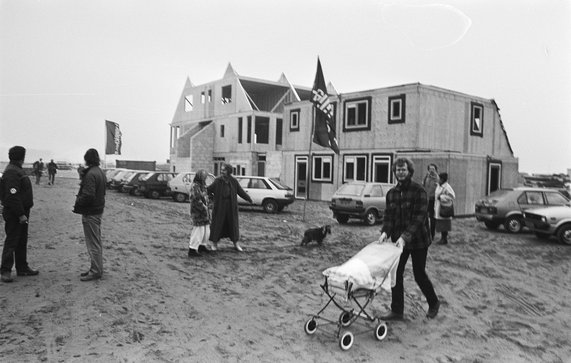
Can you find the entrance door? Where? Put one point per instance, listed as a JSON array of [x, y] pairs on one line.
[[494, 176], [301, 177]]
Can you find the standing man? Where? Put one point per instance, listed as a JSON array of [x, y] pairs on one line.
[[17, 198], [38, 170], [405, 222], [52, 170], [90, 202], [429, 183]]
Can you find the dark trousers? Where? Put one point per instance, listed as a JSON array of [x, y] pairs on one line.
[[431, 217], [52, 178], [420, 276], [15, 245]]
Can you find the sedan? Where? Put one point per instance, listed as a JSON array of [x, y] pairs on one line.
[[547, 222]]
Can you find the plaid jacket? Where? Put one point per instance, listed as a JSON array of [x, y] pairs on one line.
[[406, 215]]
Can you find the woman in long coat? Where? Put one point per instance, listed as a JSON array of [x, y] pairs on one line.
[[444, 192], [226, 189], [200, 215]]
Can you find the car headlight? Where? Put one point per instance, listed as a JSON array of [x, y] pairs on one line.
[[544, 219]]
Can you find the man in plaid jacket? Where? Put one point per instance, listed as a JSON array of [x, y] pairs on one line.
[[406, 223]]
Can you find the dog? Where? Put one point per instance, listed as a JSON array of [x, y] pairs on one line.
[[316, 234]]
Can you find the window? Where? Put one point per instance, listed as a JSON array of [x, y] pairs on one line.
[[221, 130], [262, 130], [279, 131], [381, 168], [227, 94], [554, 198], [249, 134], [239, 130], [355, 168], [202, 97], [209, 95], [397, 109], [535, 198], [477, 119], [322, 168], [294, 120], [357, 114], [188, 103]]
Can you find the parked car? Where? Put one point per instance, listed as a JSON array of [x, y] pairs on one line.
[[506, 206], [361, 200], [269, 193], [111, 173], [547, 222], [131, 184], [119, 178], [180, 185], [155, 184]]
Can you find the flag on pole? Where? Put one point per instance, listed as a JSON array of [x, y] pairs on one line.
[[324, 131], [113, 144]]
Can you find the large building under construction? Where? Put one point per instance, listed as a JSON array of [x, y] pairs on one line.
[[264, 128]]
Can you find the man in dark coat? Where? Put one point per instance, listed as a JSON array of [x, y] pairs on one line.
[[90, 202], [52, 170], [406, 222], [17, 198], [225, 189]]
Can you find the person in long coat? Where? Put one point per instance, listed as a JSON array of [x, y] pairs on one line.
[[225, 190], [444, 192]]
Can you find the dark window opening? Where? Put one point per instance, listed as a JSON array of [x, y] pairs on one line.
[[227, 94], [279, 131], [262, 130], [239, 130], [249, 126]]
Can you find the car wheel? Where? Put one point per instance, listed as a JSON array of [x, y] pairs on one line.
[[564, 234], [371, 217], [154, 194], [513, 224], [541, 235], [342, 219], [137, 192], [270, 206], [179, 197], [492, 225]]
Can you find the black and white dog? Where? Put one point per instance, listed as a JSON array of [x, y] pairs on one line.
[[315, 234]]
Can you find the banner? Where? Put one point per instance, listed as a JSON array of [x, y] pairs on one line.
[[113, 143], [324, 132]]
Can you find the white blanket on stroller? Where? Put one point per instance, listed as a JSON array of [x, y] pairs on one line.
[[375, 265]]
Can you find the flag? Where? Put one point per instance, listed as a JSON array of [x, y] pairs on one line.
[[324, 131], [113, 144]]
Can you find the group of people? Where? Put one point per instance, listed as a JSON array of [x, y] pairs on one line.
[[412, 217], [38, 170], [223, 223], [16, 196]]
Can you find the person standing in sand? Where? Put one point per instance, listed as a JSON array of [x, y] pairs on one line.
[[429, 183], [90, 203], [17, 198], [226, 189], [444, 193], [405, 222], [200, 215], [52, 170]]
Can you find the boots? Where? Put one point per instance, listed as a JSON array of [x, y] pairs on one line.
[[443, 239]]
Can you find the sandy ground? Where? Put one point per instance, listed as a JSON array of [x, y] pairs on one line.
[[504, 298]]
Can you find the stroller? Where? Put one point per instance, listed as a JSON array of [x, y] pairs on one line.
[[352, 286]]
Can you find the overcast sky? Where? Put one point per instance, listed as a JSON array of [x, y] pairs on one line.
[[68, 65]]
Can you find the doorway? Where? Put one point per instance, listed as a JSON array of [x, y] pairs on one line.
[[301, 177]]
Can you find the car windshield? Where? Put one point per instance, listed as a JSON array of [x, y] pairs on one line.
[[279, 185], [351, 189], [146, 177]]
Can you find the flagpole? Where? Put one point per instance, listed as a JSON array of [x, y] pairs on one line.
[[309, 161], [105, 145]]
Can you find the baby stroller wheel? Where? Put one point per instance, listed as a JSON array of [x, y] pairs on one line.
[[310, 326], [345, 318], [381, 331], [346, 340]]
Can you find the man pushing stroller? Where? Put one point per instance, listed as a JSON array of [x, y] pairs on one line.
[[405, 222]]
